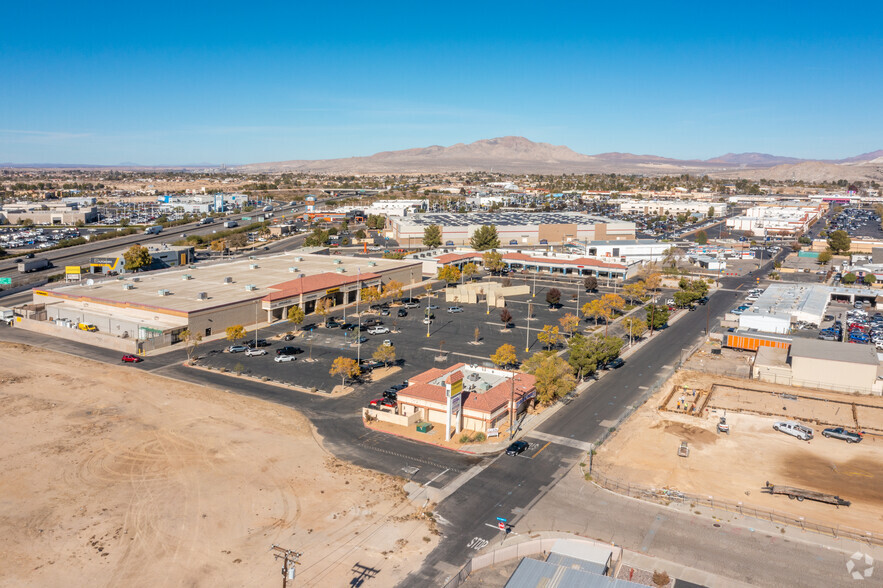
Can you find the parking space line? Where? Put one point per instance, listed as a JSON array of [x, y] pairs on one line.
[[481, 357]]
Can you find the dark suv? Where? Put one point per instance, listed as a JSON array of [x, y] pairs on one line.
[[287, 350]]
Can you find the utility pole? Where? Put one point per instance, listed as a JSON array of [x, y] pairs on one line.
[[289, 560]]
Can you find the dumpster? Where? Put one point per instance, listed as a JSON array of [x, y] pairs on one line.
[[424, 427]]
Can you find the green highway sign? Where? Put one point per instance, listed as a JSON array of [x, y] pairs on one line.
[[6, 281]]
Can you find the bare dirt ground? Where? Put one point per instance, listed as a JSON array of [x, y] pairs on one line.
[[735, 467], [112, 477]]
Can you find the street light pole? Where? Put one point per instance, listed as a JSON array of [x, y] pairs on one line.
[[359, 327], [527, 338]]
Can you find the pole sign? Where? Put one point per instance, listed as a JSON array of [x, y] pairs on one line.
[[502, 526], [502, 520]]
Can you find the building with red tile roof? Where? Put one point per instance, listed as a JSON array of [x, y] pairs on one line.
[[486, 395]]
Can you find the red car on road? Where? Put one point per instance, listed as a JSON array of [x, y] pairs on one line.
[[131, 359]]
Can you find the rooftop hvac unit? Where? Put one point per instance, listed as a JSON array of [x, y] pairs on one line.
[[337, 262], [302, 275], [187, 277], [252, 257], [136, 279], [228, 280], [341, 270], [291, 270], [251, 287], [253, 266], [372, 263], [164, 292], [298, 259], [202, 296], [128, 286]]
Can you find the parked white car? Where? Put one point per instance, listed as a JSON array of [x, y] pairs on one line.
[[281, 358], [378, 330], [794, 429], [252, 352]]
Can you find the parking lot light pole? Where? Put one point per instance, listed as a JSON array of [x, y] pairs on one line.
[[527, 338], [429, 313], [359, 327]]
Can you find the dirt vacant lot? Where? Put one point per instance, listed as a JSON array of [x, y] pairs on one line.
[[735, 467], [113, 477]]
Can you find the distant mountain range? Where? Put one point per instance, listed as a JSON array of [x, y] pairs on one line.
[[520, 155]]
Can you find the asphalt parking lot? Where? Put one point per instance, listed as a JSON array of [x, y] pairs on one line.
[[451, 335]]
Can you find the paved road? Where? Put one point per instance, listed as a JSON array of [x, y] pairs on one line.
[[734, 547], [508, 487], [505, 486]]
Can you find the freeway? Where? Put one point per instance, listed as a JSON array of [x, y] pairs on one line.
[[81, 254]]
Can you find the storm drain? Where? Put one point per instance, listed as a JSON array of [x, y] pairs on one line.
[[410, 470]]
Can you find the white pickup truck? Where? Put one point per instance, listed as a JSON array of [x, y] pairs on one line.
[[794, 429]]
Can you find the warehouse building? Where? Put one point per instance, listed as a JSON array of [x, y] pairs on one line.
[[782, 305], [153, 308], [48, 213], [513, 228], [810, 363], [768, 221]]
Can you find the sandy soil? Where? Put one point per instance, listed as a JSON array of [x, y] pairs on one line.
[[735, 467], [112, 477]]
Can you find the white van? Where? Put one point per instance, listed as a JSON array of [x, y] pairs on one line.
[[794, 429]]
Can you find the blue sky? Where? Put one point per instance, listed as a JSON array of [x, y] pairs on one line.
[[191, 82]]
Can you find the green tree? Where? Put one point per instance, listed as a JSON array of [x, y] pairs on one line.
[[869, 279], [825, 257], [849, 278], [360, 234], [136, 257], [657, 316], [702, 237], [711, 212], [634, 327], [839, 242], [317, 238], [296, 316], [484, 238], [432, 236]]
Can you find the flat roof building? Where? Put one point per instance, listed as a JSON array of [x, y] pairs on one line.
[[155, 307], [780, 305], [672, 207], [513, 228], [810, 363]]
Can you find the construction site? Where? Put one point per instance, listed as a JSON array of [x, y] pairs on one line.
[[712, 436]]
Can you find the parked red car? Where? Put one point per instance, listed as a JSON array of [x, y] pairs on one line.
[[379, 402], [131, 359]]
